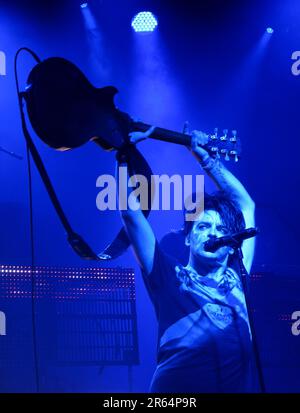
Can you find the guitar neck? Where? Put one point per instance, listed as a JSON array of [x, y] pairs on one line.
[[218, 146], [162, 134]]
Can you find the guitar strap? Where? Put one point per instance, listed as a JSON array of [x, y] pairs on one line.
[[136, 164]]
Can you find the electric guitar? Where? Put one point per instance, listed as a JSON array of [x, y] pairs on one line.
[[66, 111]]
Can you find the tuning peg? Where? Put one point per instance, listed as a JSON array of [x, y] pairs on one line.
[[227, 157], [235, 154], [215, 151], [233, 138], [224, 137], [215, 135]]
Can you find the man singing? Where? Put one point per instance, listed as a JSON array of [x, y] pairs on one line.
[[204, 339]]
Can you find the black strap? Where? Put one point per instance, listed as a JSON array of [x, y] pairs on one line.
[[136, 162]]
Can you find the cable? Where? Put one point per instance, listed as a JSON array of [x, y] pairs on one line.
[[33, 290]]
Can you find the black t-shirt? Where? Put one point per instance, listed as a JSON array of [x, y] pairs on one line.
[[204, 340]]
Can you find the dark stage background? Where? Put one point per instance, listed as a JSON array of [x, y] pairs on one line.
[[209, 62]]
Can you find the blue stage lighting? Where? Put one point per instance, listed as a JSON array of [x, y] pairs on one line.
[[269, 30], [83, 5], [144, 21]]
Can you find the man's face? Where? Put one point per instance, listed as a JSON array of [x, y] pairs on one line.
[[208, 226]]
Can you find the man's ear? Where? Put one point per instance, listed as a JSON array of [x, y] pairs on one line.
[[187, 240]]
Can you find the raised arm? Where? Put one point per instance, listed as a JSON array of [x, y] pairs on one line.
[[227, 182], [137, 226]]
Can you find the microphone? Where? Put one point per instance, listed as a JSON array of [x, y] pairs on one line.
[[234, 240]]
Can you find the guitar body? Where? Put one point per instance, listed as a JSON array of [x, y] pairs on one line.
[[66, 111]]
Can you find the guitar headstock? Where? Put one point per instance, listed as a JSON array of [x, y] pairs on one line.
[[225, 145]]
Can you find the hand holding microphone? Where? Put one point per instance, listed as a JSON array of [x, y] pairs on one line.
[[234, 241]]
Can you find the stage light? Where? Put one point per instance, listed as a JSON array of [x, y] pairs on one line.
[[144, 21], [269, 30], [83, 5]]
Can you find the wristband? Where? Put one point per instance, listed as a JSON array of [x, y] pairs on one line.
[[208, 163]]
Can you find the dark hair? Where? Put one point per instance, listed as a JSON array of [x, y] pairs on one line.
[[231, 216]]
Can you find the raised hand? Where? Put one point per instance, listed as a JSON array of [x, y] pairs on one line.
[[136, 137], [199, 139]]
